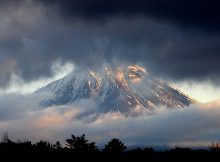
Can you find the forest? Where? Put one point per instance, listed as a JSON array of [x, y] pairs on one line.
[[78, 148]]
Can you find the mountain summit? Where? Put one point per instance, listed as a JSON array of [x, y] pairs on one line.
[[123, 89]]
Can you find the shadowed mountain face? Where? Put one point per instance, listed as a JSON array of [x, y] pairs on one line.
[[126, 89]]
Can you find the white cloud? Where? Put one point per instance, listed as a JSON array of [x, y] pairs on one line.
[[18, 85], [201, 91], [196, 125]]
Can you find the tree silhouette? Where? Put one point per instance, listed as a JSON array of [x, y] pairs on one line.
[[5, 137], [81, 144], [149, 150], [114, 146], [82, 149], [57, 145], [215, 147], [43, 146]]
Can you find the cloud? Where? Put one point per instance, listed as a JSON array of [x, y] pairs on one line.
[[196, 125], [204, 91], [182, 12], [175, 44], [18, 85], [177, 40]]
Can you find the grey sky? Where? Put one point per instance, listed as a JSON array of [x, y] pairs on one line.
[[176, 40]]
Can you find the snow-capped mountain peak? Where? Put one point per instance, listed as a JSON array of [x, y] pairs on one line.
[[124, 89]]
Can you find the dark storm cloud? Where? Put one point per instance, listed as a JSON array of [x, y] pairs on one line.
[[177, 39], [202, 13]]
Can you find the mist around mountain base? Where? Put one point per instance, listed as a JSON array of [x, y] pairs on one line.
[[195, 125], [23, 118]]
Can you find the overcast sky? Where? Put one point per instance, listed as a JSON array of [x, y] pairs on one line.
[[177, 40], [44, 40]]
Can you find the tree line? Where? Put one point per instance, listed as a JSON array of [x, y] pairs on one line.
[[80, 148]]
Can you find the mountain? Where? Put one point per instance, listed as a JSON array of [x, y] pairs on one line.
[[125, 89]]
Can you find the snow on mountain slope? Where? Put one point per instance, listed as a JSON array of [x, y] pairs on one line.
[[125, 89]]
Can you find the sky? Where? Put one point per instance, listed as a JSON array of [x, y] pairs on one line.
[[43, 40], [178, 41]]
